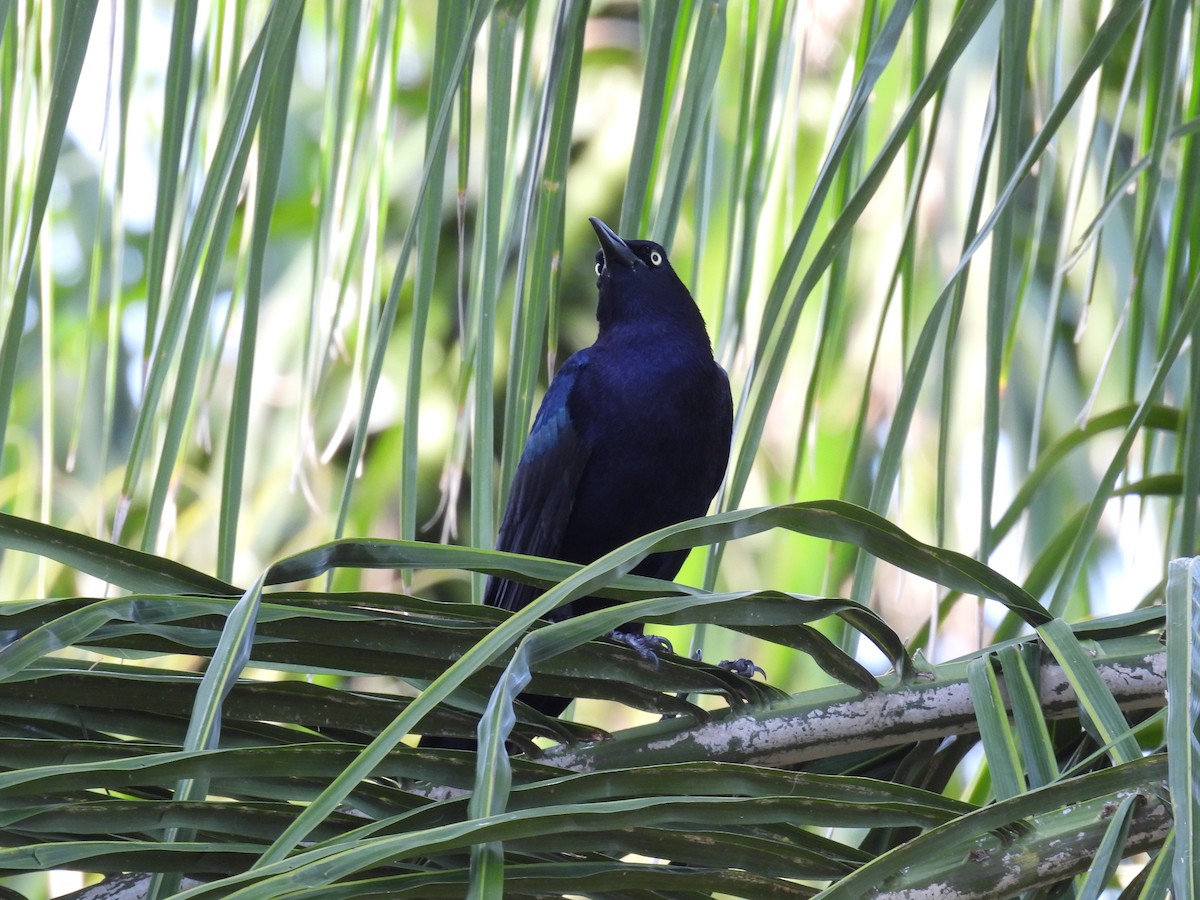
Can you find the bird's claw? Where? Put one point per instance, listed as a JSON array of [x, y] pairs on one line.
[[744, 667], [647, 646]]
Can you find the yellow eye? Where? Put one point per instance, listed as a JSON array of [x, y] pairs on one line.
[[597, 268], [656, 257]]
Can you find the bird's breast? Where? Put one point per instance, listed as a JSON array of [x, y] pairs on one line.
[[671, 393], [658, 432]]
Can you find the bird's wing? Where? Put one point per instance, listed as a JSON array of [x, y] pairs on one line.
[[543, 487]]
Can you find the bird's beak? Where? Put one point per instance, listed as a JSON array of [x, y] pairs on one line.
[[614, 247]]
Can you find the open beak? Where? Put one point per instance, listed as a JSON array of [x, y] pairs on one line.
[[614, 247]]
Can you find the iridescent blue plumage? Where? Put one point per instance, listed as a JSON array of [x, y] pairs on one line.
[[633, 433]]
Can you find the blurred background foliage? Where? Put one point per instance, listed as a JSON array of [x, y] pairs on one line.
[[274, 275], [1087, 291]]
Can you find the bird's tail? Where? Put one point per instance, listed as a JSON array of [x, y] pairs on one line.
[[550, 706]]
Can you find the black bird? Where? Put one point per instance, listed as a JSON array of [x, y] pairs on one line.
[[632, 435]]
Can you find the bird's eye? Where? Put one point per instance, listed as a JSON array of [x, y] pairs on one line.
[[597, 268], [656, 257]]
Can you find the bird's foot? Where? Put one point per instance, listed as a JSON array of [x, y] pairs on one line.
[[744, 667], [647, 646]]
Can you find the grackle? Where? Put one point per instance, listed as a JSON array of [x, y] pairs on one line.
[[632, 435]]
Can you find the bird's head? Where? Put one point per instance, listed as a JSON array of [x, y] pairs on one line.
[[636, 281]]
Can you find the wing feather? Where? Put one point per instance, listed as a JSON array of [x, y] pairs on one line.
[[543, 487]]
